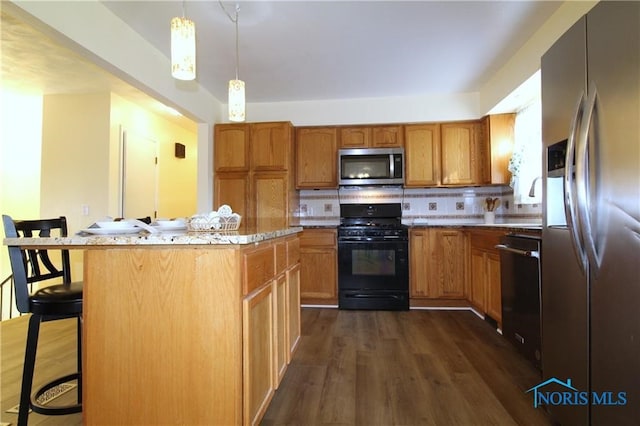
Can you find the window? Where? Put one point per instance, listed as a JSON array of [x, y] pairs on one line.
[[526, 163]]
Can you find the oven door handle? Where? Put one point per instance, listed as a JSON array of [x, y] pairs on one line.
[[526, 253], [372, 296], [391, 239]]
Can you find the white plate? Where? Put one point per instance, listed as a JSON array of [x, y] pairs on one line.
[[104, 231], [180, 227]]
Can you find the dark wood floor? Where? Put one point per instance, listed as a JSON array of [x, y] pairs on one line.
[[352, 367], [403, 368]]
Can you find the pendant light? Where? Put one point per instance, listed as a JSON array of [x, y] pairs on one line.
[[183, 47], [236, 87]]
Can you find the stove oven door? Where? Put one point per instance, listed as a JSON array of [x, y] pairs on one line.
[[373, 275]]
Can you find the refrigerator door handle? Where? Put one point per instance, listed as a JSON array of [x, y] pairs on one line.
[[583, 177], [570, 202]]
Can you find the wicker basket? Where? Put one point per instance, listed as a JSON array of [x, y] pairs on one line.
[[218, 223]]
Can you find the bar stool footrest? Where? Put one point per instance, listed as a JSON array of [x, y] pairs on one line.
[[56, 410]]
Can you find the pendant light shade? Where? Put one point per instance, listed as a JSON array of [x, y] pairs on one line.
[[236, 100], [236, 87], [183, 48]]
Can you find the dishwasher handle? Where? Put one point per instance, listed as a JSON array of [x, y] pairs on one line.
[[526, 253]]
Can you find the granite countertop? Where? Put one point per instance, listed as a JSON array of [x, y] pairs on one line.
[[528, 226], [525, 226], [143, 238]]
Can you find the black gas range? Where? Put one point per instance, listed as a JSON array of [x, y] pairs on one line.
[[373, 257]]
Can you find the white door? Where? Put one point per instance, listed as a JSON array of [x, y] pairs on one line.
[[139, 180]]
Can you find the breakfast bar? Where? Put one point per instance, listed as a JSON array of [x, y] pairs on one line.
[[185, 327]]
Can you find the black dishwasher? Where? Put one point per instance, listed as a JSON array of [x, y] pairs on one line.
[[520, 277]]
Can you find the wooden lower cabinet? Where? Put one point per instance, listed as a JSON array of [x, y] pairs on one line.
[[418, 263], [319, 266], [494, 287], [438, 263], [271, 321], [201, 334], [448, 253], [478, 282], [485, 284], [293, 287], [257, 351], [281, 328]]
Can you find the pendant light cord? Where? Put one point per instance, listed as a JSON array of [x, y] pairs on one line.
[[235, 21], [237, 49]]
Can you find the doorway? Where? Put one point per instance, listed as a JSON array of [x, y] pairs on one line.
[[139, 178]]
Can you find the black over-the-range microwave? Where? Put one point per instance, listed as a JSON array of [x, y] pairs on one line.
[[371, 166]]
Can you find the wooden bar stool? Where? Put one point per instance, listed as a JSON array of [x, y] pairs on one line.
[[53, 302]]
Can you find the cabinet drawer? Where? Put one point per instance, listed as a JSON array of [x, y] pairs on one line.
[[293, 252], [281, 257], [318, 237], [258, 268], [486, 240]]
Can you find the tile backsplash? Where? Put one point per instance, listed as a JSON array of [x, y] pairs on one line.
[[428, 205]]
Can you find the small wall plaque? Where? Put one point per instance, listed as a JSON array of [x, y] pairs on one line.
[[180, 150]]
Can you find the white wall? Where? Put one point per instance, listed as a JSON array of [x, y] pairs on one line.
[[114, 46], [437, 107], [20, 136], [527, 60], [117, 48]]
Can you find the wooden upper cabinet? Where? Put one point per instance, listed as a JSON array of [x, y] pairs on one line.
[[233, 189], [231, 147], [422, 155], [355, 137], [499, 139], [371, 137], [461, 153], [271, 146], [316, 157], [387, 137], [271, 201]]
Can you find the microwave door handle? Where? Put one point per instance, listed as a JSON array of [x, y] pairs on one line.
[[392, 166]]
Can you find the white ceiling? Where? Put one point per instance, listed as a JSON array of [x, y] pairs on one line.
[[311, 50], [307, 50]]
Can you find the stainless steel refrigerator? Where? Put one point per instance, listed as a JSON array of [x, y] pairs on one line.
[[591, 216]]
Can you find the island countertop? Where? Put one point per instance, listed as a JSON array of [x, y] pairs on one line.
[[200, 326], [174, 238]]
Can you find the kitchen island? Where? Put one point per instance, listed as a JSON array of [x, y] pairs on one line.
[[185, 328]]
